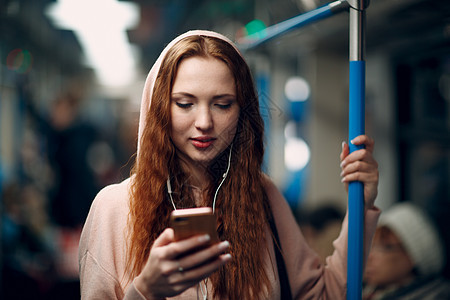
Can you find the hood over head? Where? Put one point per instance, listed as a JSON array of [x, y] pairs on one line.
[[151, 77]]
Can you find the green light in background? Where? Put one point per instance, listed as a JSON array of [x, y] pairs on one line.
[[256, 29], [19, 60]]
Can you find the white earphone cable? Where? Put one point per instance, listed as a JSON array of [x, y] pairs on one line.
[[224, 176], [169, 191], [203, 288]]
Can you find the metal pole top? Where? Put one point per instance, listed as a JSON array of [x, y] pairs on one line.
[[359, 4]]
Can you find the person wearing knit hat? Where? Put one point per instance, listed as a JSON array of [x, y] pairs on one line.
[[406, 258]]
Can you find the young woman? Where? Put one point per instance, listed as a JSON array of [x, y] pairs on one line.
[[201, 144]]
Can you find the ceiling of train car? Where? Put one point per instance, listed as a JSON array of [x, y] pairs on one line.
[[390, 24]]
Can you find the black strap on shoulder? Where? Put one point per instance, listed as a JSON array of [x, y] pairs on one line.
[[282, 272]]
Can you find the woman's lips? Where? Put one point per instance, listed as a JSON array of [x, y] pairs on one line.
[[202, 142]]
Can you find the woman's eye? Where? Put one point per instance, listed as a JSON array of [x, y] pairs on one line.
[[183, 105], [224, 106]]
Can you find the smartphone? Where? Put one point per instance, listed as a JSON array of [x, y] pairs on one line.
[[194, 221]]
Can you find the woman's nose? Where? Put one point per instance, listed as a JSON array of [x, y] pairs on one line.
[[203, 119], [373, 255]]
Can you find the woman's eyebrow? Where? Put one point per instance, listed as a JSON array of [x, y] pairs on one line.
[[220, 96], [215, 97], [184, 94]]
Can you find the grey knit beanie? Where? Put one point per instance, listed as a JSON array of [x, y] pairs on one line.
[[418, 235]]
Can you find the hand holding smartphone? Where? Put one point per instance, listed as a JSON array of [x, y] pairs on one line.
[[194, 221]]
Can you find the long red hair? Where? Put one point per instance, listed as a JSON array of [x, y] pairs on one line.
[[241, 208]]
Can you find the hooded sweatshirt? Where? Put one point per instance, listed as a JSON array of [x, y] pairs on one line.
[[102, 250]]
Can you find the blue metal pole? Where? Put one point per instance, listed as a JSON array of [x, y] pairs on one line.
[[281, 28], [355, 189], [356, 127]]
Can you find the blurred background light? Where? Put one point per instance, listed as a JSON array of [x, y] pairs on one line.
[[307, 5], [100, 27], [297, 89], [255, 29], [296, 154], [290, 130], [19, 60]]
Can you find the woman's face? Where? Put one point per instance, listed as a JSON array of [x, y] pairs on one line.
[[204, 109], [388, 262]]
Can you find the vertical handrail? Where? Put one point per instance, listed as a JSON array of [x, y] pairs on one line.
[[357, 70]]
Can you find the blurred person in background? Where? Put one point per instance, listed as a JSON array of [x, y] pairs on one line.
[[201, 140], [69, 140], [321, 226], [27, 245], [66, 140], [406, 258]]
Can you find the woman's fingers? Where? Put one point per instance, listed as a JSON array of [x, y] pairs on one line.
[[365, 177], [357, 168], [361, 166], [202, 256], [165, 238], [183, 280], [193, 275], [358, 155], [182, 247], [197, 266], [345, 151], [190, 253], [174, 266], [357, 160], [365, 140]]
